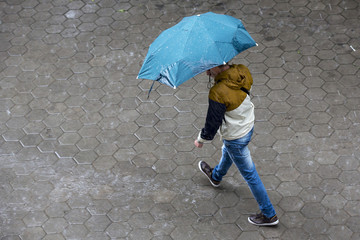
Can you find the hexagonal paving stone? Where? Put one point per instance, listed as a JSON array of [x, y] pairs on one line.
[[77, 216], [145, 146], [148, 108], [144, 160], [336, 216], [164, 166], [104, 162], [147, 120], [323, 130], [55, 225], [309, 180], [227, 215], [316, 226], [226, 199], [334, 201], [141, 220], [279, 107], [350, 193], [106, 149], [85, 157], [184, 172], [278, 95], [145, 133], [164, 152], [165, 138], [162, 211], [228, 231], [313, 210], [34, 219], [33, 233], [185, 94], [75, 231], [87, 143], [99, 223], [69, 138], [57, 209], [295, 234], [31, 140], [288, 189], [118, 230], [290, 204], [167, 101], [287, 174], [347, 163]]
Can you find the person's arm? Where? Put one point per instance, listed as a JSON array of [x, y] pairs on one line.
[[214, 118]]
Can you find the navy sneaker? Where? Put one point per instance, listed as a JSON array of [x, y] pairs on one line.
[[261, 220], [207, 170]]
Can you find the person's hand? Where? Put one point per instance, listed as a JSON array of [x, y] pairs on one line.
[[198, 144]]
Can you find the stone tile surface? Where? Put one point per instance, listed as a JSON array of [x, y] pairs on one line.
[[86, 154]]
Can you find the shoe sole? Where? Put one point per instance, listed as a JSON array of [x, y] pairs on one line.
[[214, 185], [264, 224]]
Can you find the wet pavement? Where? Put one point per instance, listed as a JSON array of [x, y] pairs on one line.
[[84, 154]]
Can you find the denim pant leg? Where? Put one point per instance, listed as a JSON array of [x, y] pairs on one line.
[[237, 151], [222, 168]]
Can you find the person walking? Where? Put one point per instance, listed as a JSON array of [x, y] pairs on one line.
[[231, 113]]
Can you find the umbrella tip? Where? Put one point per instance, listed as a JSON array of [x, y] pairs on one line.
[[198, 15], [257, 44]]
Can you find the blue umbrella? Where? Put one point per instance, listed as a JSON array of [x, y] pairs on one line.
[[194, 45]]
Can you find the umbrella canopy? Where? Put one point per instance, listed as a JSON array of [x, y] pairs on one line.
[[194, 45]]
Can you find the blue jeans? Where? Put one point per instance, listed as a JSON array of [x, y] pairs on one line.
[[237, 151]]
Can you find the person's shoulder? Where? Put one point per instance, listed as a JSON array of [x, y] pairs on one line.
[[219, 86], [217, 92]]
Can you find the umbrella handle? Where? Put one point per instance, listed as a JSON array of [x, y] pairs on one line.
[[209, 83]]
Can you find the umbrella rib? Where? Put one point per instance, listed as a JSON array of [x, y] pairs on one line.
[[187, 40], [211, 37]]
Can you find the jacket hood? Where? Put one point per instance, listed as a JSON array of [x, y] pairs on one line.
[[236, 77]]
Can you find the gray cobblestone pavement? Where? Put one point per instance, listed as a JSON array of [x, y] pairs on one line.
[[84, 154]]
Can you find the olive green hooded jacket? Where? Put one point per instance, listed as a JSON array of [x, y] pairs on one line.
[[230, 108]]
